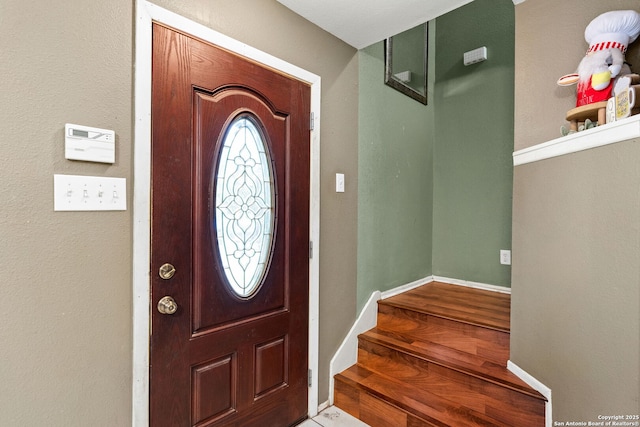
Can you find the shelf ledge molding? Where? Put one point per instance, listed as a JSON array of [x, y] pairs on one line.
[[621, 130]]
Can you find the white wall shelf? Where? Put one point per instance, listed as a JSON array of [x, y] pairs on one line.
[[621, 130]]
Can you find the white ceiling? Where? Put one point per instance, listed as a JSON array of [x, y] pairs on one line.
[[361, 23]]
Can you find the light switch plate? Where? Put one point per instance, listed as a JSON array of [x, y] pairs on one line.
[[339, 183], [89, 193]]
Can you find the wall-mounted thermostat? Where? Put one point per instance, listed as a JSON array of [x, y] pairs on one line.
[[89, 144]]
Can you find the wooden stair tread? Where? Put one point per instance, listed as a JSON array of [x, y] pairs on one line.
[[454, 359], [473, 306], [427, 406]]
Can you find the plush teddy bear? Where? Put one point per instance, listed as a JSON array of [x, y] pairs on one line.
[[608, 36]]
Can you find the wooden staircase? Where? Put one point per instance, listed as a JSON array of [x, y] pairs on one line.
[[438, 358]]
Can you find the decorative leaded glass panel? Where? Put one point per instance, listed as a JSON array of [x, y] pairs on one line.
[[244, 206]]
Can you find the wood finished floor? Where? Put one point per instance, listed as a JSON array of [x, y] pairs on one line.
[[463, 304], [437, 357]]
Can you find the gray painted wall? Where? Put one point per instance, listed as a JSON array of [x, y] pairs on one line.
[[576, 231], [576, 242], [67, 288], [66, 318]]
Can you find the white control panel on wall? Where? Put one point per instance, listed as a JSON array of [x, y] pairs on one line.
[[89, 193], [89, 144], [474, 56]]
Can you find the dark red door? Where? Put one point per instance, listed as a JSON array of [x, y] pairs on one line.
[[230, 238]]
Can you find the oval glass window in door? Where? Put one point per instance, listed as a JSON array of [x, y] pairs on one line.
[[244, 205]]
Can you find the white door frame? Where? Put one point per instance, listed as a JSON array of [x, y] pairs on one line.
[[146, 13]]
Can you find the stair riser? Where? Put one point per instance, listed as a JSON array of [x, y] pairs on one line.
[[500, 402], [374, 411], [347, 398], [388, 411], [487, 343]]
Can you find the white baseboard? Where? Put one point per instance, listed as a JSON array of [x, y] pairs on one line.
[[404, 288], [536, 385], [469, 284], [347, 353]]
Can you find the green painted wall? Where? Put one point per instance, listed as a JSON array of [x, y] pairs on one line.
[[473, 169], [395, 177], [435, 181]]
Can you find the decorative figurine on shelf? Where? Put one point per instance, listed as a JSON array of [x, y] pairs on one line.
[[608, 36]]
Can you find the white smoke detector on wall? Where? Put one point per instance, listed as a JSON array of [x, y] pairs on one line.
[[474, 56]]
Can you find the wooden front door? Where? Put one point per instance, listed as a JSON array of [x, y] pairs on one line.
[[229, 239]]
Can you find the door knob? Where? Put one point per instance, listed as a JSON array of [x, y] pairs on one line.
[[167, 305]]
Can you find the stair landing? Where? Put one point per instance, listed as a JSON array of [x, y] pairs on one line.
[[438, 358], [459, 303]]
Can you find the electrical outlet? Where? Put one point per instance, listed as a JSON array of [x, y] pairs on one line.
[[505, 257]]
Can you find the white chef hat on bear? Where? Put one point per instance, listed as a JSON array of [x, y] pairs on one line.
[[613, 30]]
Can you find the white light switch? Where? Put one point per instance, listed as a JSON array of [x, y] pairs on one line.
[[339, 183], [89, 193]]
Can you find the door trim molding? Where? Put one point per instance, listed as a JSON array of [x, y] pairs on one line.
[[146, 13]]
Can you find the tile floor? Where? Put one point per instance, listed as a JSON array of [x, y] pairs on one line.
[[333, 417]]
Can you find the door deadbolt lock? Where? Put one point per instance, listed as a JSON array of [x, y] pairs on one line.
[[167, 271], [167, 305]]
